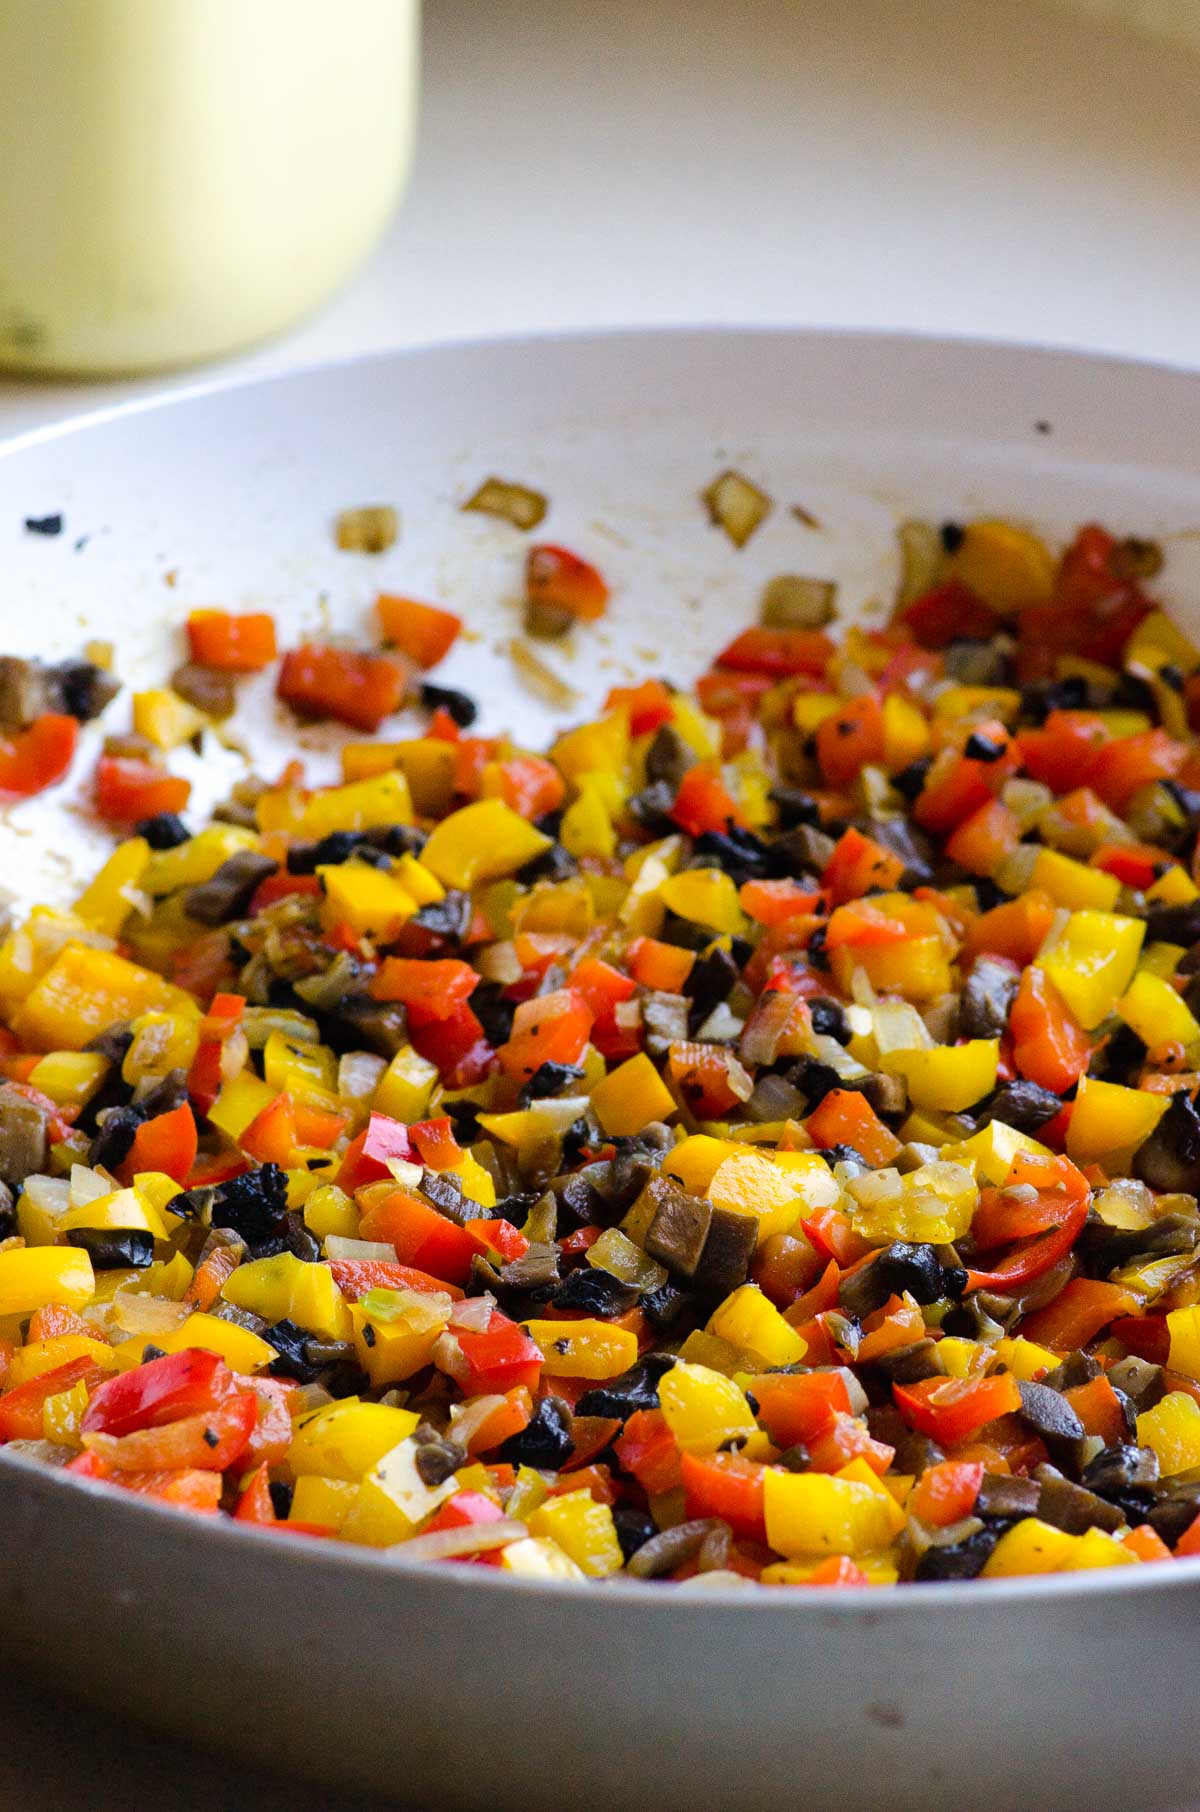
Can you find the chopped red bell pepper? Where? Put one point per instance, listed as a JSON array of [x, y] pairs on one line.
[[21, 1408], [436, 1146], [128, 790], [728, 1486], [366, 1159], [949, 1410], [556, 577], [239, 644], [430, 990], [33, 759], [423, 632], [355, 689], [529, 785], [500, 1358], [160, 1391], [421, 1236], [209, 1441], [704, 802], [355, 1276], [165, 1142], [945, 1493], [552, 1028], [796, 1407], [948, 613], [850, 739], [1050, 1046], [778, 652], [649, 705]]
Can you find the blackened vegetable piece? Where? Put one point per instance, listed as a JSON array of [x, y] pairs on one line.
[[1072, 1507], [963, 1559], [909, 1364], [1174, 924], [114, 1249], [281, 1498], [1169, 1160], [493, 1011], [1175, 1510], [82, 689], [290, 1342], [437, 1460], [795, 807], [634, 1529], [803, 851], [728, 1251], [545, 1442], [447, 918], [548, 1079], [828, 1019], [456, 705], [1048, 1413], [668, 758], [910, 781], [23, 1136], [913, 848], [667, 1307], [1022, 1105], [671, 1548], [679, 1227], [166, 830], [1001, 1494], [742, 855], [299, 1241], [1117, 1470], [987, 997], [711, 981], [253, 1205], [229, 892], [597, 1292], [635, 1389], [896, 1269]]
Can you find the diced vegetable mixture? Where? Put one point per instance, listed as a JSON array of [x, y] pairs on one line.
[[753, 1140]]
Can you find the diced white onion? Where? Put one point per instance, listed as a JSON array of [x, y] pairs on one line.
[[338, 1247], [447, 1544]]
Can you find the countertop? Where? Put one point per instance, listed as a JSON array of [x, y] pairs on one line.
[[968, 167]]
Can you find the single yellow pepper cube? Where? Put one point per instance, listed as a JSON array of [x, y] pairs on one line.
[[537, 1557], [394, 1500], [41, 1356], [285, 1288], [1156, 1012], [344, 1440], [602, 746], [241, 1350], [583, 1529], [107, 902], [642, 911], [420, 881], [1094, 1548], [947, 1078], [1025, 1359], [961, 1358], [164, 718], [304, 1069], [162, 1042], [810, 709], [749, 1319], [426, 762], [631, 1096], [63, 1413], [358, 806], [1183, 1326], [703, 1409], [1108, 1119], [1006, 566], [583, 1349], [1161, 959], [1174, 888], [393, 1348], [67, 1076], [1092, 962], [240, 1101], [989, 1153], [812, 1513], [371, 901], [476, 1183], [587, 828], [481, 842], [404, 1088], [1172, 1429], [35, 1277], [84, 991], [696, 1160], [121, 1209], [905, 733], [326, 1502], [705, 896], [1073, 884], [917, 969], [330, 1210], [1030, 1546], [1158, 642]]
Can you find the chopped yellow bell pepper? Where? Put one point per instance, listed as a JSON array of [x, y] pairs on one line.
[[404, 1089], [108, 901], [34, 1277], [164, 718], [933, 1204], [240, 1101], [285, 1288], [63, 1413], [426, 762], [40, 1356], [1073, 884], [818, 1513], [1096, 1548], [372, 902], [917, 969], [696, 1160], [705, 896], [1156, 1012], [1030, 1546], [960, 1358], [946, 1077], [1092, 962], [392, 1346], [603, 746], [587, 827], [703, 1409], [631, 1096], [750, 1320], [810, 709], [120, 1209], [69, 1075], [1025, 1359], [299, 1066], [162, 1042], [241, 1350], [344, 1440], [879, 1572], [990, 1152], [1006, 566], [326, 1502], [480, 843], [583, 1529], [958, 703], [537, 1557], [584, 1348], [1172, 1429], [1158, 642], [1183, 1326], [1175, 888], [1108, 1120], [905, 732], [359, 805], [84, 991], [1161, 959], [330, 1210]]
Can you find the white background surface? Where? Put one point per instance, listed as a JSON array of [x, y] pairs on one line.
[[977, 167]]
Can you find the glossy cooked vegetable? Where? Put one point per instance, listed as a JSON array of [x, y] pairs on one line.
[[754, 1139]]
